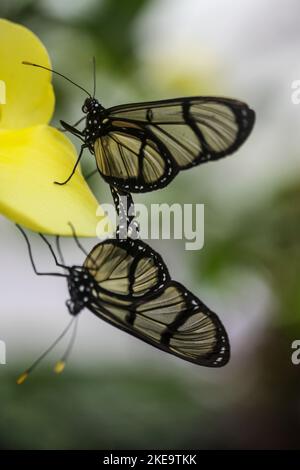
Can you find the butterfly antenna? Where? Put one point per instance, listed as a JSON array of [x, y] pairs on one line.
[[21, 379], [89, 175], [94, 75], [25, 62], [61, 364]]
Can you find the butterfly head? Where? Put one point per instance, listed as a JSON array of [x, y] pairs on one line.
[[91, 105], [81, 287]]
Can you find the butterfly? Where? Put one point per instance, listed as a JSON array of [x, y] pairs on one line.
[[141, 147], [127, 284]]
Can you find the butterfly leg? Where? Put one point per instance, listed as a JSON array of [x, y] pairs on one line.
[[72, 129], [92, 173], [80, 246], [61, 183], [77, 241], [58, 247], [31, 257], [64, 129], [52, 252]]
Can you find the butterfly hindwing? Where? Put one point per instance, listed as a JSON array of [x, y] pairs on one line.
[[126, 268], [133, 158]]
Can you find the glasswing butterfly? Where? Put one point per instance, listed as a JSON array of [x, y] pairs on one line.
[[141, 147], [127, 284]]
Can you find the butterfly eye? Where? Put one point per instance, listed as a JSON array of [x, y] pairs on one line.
[[84, 108]]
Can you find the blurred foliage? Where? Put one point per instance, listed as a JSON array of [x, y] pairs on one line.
[[106, 409], [107, 23], [264, 239]]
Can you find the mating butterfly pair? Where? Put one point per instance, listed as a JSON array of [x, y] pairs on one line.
[[138, 148]]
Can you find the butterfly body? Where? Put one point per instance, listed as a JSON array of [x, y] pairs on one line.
[[95, 121]]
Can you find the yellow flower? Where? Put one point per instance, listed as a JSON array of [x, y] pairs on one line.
[[32, 154]]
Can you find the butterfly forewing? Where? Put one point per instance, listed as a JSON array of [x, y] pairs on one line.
[[149, 143], [172, 319], [135, 294], [183, 326]]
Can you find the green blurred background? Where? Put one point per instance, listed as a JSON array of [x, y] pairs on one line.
[[118, 393]]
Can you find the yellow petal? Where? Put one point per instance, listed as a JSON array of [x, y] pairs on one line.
[[27, 91], [30, 161]]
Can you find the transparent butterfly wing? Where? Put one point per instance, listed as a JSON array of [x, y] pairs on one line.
[[148, 143], [171, 319], [126, 268], [134, 292], [133, 158]]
